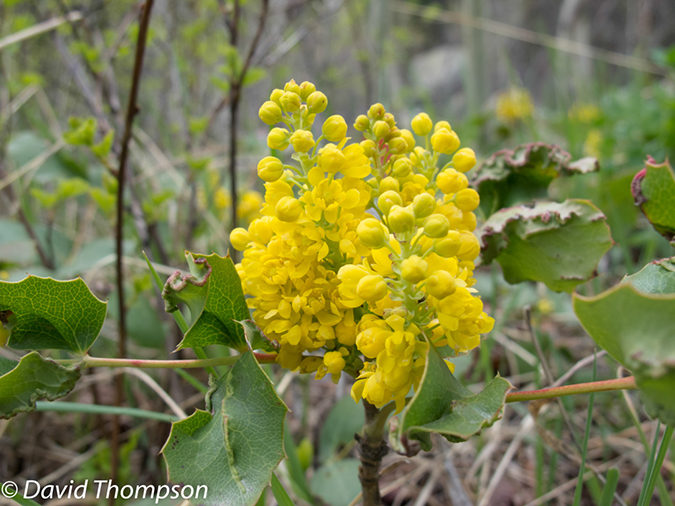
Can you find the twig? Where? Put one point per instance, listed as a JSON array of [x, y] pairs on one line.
[[43, 27], [132, 110], [627, 383]]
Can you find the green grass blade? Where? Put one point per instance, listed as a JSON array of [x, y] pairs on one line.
[[610, 487], [76, 407], [650, 479], [650, 465], [280, 493], [192, 380], [18, 498], [584, 447]]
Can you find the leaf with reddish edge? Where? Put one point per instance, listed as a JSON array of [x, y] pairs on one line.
[[653, 189]]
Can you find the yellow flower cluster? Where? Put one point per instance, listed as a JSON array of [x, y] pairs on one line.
[[364, 252], [581, 112], [514, 104]]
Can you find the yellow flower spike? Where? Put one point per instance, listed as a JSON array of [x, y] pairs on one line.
[[306, 89], [288, 209], [369, 148], [389, 184], [270, 113], [290, 101], [450, 181], [362, 123], [372, 288], [467, 199], [275, 96], [414, 269], [372, 233], [270, 169], [450, 245], [278, 138], [380, 129], [302, 141], [464, 160], [239, 238], [317, 102], [409, 139], [397, 146], [402, 167], [436, 226], [387, 200], [421, 124], [401, 219], [424, 205], [441, 284], [444, 141], [442, 125], [376, 111], [334, 128]]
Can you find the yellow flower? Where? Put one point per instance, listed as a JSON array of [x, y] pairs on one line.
[[270, 113], [593, 144], [421, 124], [445, 141], [464, 160], [334, 128], [302, 141], [248, 207], [514, 104], [581, 112], [221, 199], [270, 169]]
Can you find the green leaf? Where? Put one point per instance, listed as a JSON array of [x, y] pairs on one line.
[[31, 379], [337, 483], [296, 473], [521, 175], [235, 446], [279, 492], [345, 419], [653, 190], [256, 337], [43, 313], [213, 294], [559, 244], [443, 405], [636, 327]]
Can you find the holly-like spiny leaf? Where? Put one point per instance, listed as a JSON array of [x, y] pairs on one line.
[[213, 294], [31, 379], [234, 446], [43, 313], [443, 405], [559, 244], [653, 190], [523, 174], [635, 322]]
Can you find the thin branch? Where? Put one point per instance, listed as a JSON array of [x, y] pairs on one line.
[[627, 383], [40, 28]]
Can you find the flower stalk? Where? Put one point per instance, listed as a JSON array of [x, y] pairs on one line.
[[627, 383]]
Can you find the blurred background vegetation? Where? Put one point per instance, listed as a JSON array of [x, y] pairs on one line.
[[596, 77]]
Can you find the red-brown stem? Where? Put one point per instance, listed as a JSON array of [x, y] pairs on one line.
[[627, 383]]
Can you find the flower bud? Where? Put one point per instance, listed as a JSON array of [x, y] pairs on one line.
[[369, 148], [302, 141], [445, 141], [306, 89], [292, 86], [389, 183], [334, 362], [414, 269], [402, 167], [380, 129], [397, 145], [288, 209], [449, 246], [436, 226], [331, 158], [409, 139], [390, 120], [275, 96], [441, 284], [334, 128], [372, 288], [317, 102], [239, 238], [423, 205], [421, 124], [401, 219], [270, 113], [450, 181], [442, 125], [372, 233], [278, 138], [362, 123], [387, 200], [270, 169], [467, 199], [290, 101], [470, 247], [260, 230], [464, 160], [376, 111]]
